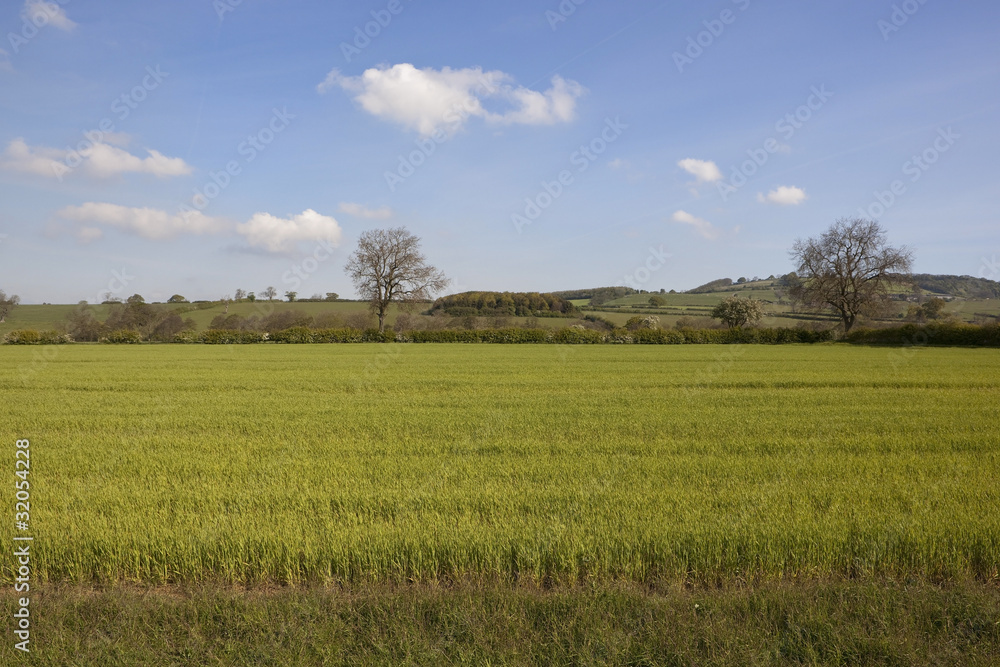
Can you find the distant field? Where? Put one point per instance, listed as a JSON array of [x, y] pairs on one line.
[[375, 463], [677, 306]]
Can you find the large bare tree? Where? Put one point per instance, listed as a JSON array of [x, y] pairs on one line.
[[7, 304], [849, 269], [388, 267]]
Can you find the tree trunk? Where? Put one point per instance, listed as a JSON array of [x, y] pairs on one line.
[[381, 321]]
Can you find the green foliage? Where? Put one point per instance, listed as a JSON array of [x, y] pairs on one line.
[[932, 309], [516, 304], [910, 335], [713, 286], [963, 286], [642, 322], [231, 337], [177, 298], [32, 337], [737, 311], [293, 335], [122, 337], [597, 295]]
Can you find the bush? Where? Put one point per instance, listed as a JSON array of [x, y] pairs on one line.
[[293, 335], [23, 337], [967, 335], [574, 335], [122, 337], [32, 337], [227, 337]]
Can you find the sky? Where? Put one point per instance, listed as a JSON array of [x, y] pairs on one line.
[[200, 147]]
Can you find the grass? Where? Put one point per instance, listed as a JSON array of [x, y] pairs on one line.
[[546, 464], [839, 622]]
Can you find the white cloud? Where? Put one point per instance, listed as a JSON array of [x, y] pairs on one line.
[[784, 195], [146, 222], [618, 163], [361, 211], [5, 65], [277, 235], [429, 100], [44, 12], [705, 171], [100, 160], [88, 234], [703, 227]]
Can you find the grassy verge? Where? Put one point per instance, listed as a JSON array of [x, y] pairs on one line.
[[835, 622]]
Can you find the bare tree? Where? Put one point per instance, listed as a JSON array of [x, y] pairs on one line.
[[7, 304], [388, 267], [849, 269], [270, 293]]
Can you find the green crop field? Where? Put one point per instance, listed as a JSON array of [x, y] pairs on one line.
[[467, 504], [366, 462]]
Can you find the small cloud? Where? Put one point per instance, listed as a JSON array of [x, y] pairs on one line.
[[783, 196], [361, 211], [89, 234], [281, 235], [429, 100], [5, 65], [783, 148], [619, 163], [148, 223], [703, 227], [101, 160], [705, 171], [331, 81], [44, 12]]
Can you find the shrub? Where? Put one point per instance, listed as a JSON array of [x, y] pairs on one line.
[[930, 334], [293, 335], [23, 337], [226, 337], [122, 337], [32, 337]]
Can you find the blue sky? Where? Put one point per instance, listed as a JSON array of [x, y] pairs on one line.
[[197, 147]]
